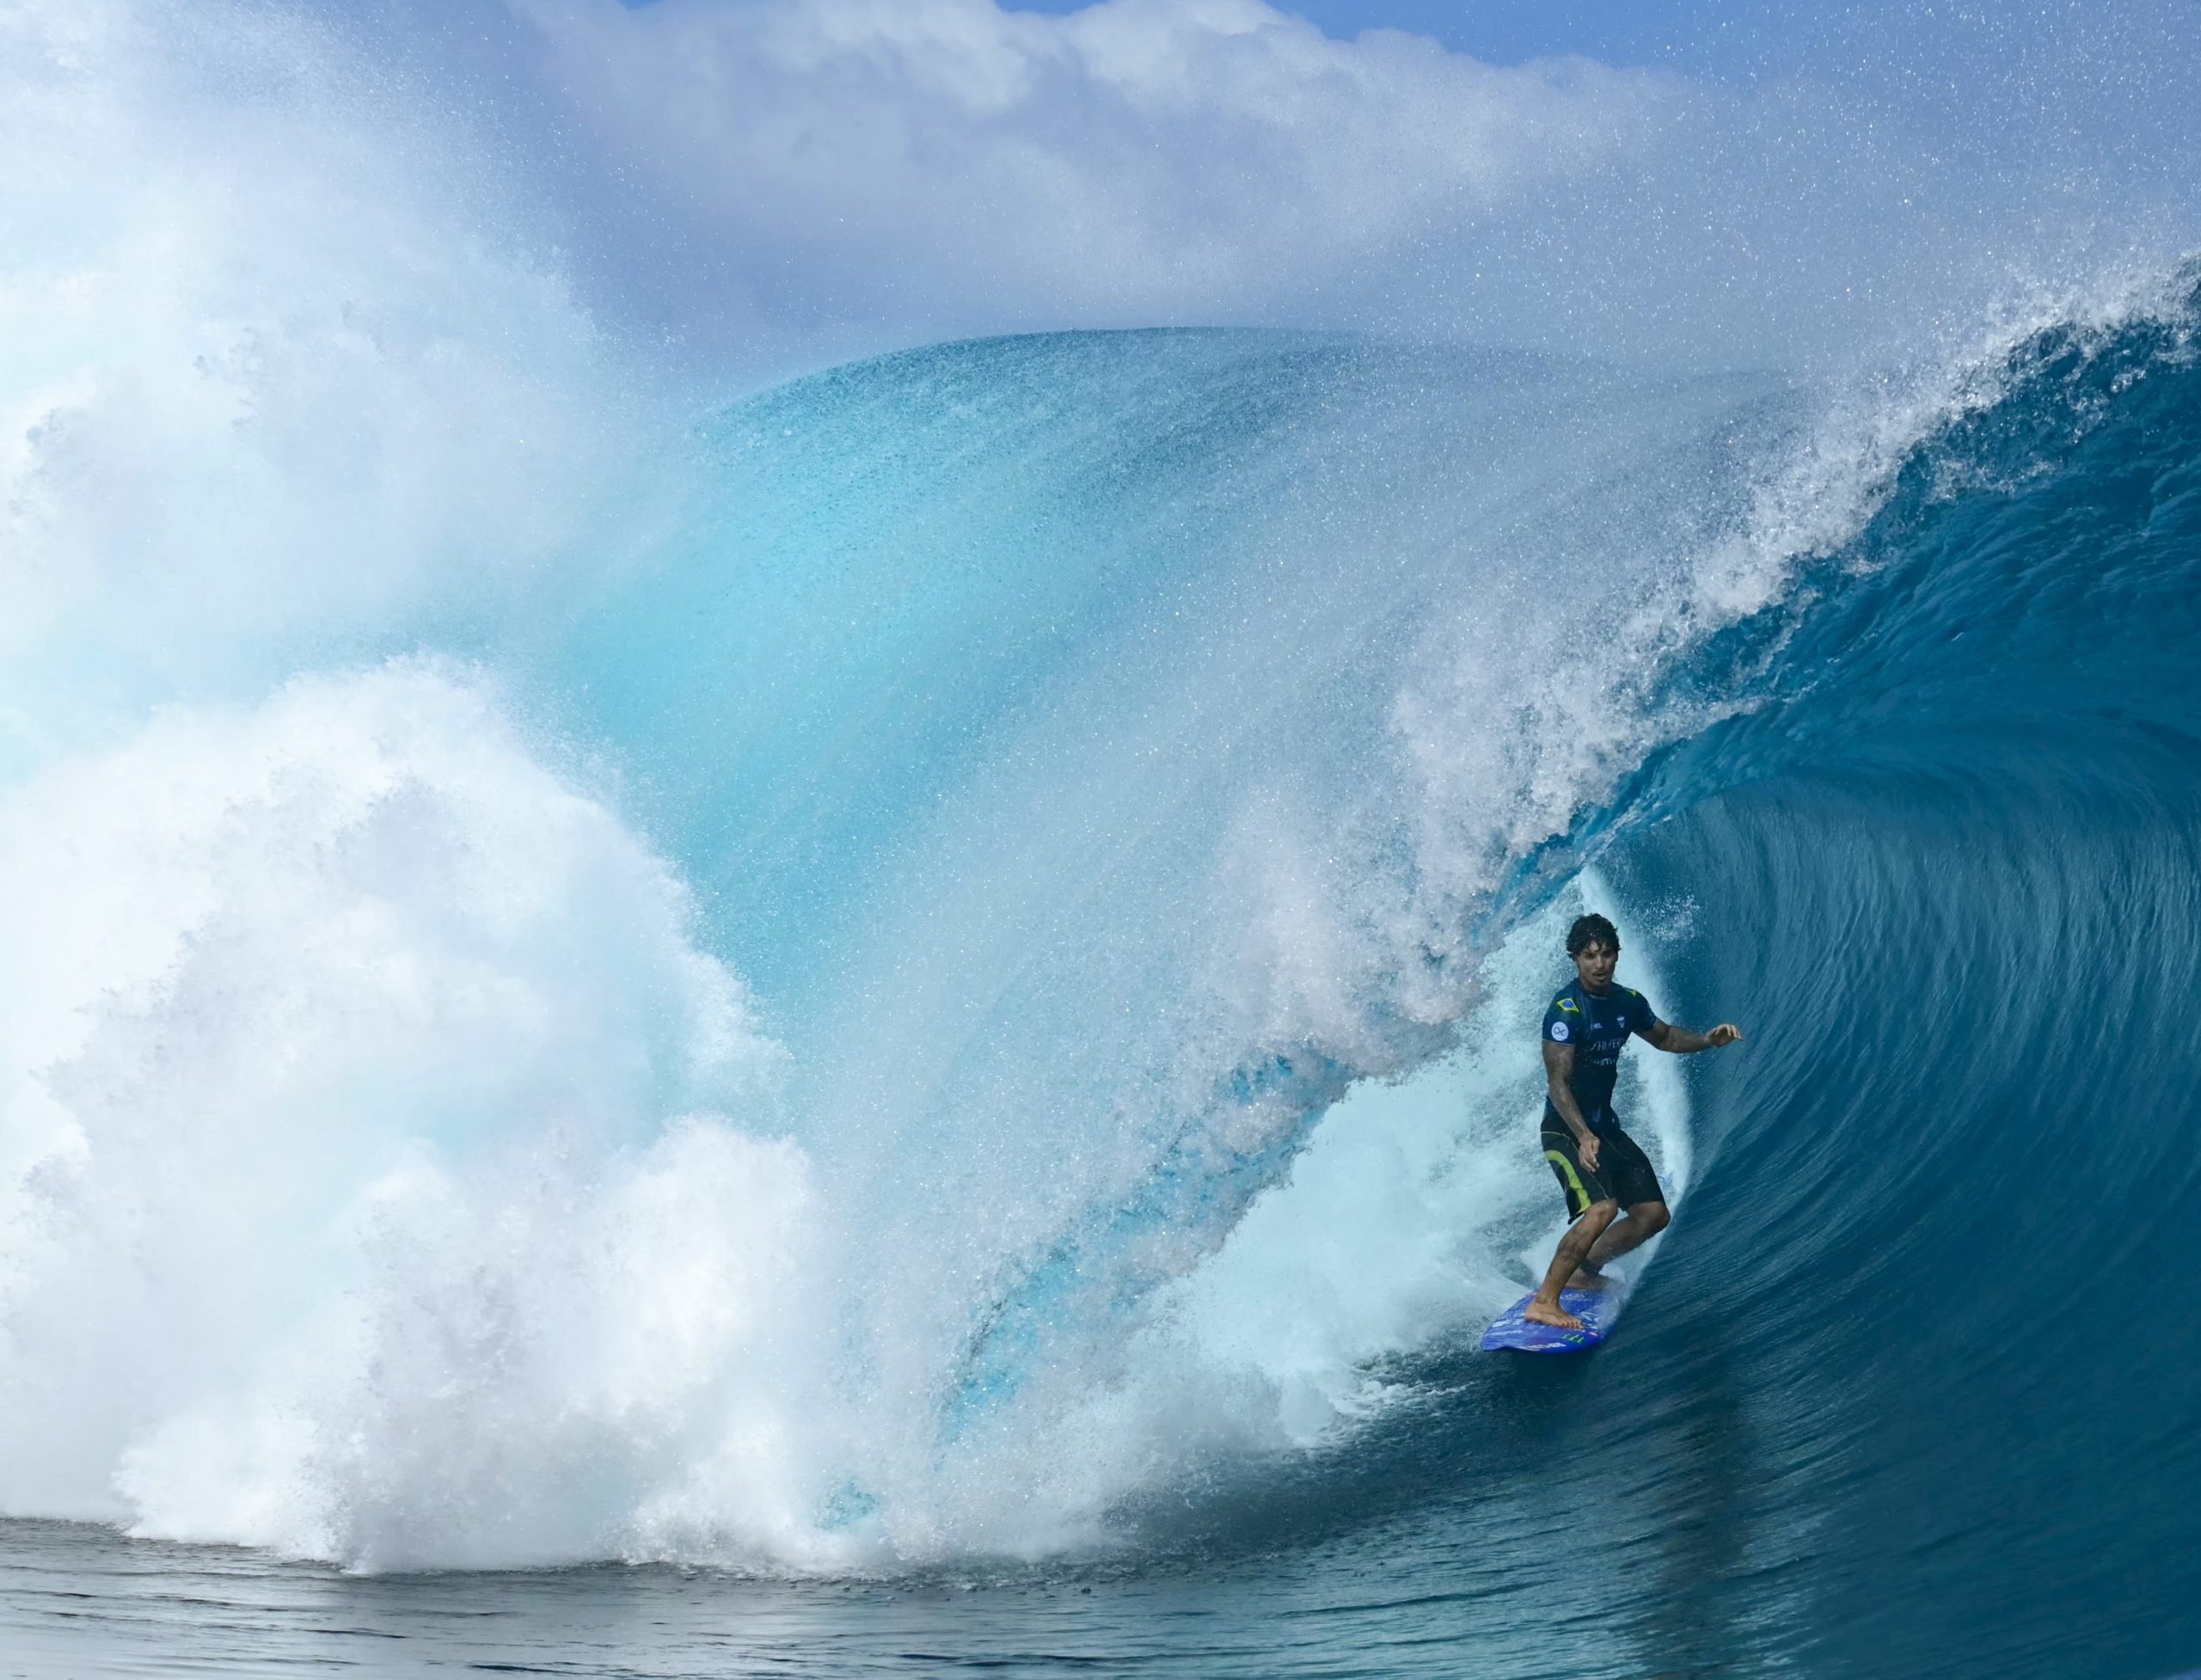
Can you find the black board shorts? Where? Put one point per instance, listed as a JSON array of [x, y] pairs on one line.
[[1623, 1172]]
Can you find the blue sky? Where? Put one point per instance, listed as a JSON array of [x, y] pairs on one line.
[[1627, 32]]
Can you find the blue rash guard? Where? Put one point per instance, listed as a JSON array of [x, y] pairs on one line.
[[1596, 1028]]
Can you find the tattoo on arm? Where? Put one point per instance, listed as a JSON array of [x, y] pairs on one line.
[[1559, 1071]]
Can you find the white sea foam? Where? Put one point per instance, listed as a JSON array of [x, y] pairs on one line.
[[279, 371], [364, 1101]]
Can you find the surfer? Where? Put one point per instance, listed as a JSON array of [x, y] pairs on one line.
[[1599, 1166]]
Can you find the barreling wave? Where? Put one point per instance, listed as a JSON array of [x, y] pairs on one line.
[[1948, 864], [1107, 796]]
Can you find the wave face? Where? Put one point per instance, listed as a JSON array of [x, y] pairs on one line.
[[962, 988]]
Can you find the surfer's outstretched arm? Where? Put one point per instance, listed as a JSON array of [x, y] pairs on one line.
[[1683, 1042]]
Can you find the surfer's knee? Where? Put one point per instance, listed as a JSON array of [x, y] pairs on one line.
[[1596, 1217], [1653, 1216]]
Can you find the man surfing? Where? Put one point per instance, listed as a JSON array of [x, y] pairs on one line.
[[1599, 1166]]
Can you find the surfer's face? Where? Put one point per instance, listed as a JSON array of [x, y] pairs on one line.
[[1594, 962]]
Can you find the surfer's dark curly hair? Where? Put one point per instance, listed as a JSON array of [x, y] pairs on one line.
[[1590, 929]]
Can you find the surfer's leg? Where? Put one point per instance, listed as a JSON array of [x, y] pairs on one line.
[[1645, 1221], [1591, 1207], [1543, 1308], [1631, 1182]]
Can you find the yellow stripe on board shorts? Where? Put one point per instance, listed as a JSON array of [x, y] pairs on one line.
[[1577, 1197]]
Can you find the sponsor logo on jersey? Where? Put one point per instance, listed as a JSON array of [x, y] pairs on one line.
[[1559, 1031]]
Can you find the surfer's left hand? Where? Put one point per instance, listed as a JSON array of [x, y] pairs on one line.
[[1725, 1032]]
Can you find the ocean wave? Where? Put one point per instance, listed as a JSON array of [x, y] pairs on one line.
[[827, 1060]]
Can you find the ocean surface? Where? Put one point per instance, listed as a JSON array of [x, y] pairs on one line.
[[887, 1025]]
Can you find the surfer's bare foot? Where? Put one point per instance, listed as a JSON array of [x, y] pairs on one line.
[[1591, 1280], [1556, 1315]]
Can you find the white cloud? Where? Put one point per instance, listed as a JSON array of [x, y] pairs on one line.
[[1134, 161], [792, 181]]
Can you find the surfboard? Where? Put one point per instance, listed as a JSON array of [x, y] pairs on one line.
[[1597, 1309]]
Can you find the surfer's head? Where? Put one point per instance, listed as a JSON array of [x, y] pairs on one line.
[[1594, 943]]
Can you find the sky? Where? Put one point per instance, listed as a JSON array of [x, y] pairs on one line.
[[1508, 32], [1701, 182], [760, 186]]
